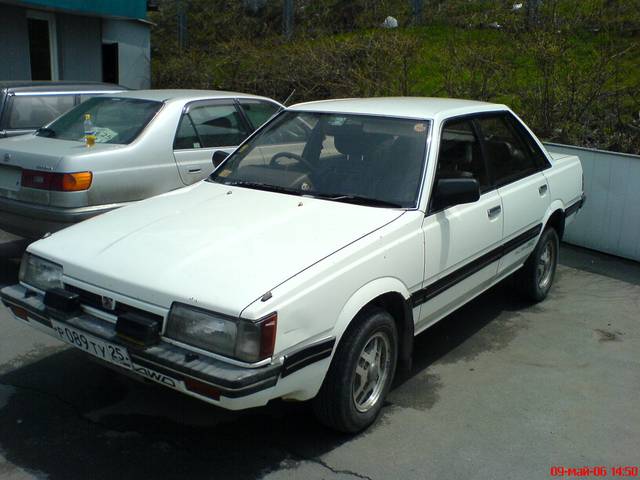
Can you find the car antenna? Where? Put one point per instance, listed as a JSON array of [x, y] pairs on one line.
[[289, 97]]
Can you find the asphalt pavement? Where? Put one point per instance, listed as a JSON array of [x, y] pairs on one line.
[[499, 390]]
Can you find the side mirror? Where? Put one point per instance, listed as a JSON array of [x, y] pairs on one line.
[[454, 191], [218, 157]]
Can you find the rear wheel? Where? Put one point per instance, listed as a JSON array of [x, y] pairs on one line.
[[361, 373], [536, 276]]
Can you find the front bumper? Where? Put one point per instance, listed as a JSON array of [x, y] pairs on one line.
[[33, 221], [169, 365]]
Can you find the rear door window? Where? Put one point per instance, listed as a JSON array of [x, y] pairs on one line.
[[186, 136], [509, 158], [258, 111], [34, 111], [218, 124], [460, 155]]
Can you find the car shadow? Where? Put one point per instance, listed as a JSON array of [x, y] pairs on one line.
[[68, 418], [10, 253]]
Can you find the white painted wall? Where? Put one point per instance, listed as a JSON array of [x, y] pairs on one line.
[[610, 220], [134, 51]]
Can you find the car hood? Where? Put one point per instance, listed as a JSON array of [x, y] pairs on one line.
[[210, 245]]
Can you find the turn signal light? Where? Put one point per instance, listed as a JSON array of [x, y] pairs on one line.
[[60, 182], [268, 338], [19, 312]]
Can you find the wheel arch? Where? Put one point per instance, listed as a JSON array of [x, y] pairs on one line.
[[391, 295], [555, 218]]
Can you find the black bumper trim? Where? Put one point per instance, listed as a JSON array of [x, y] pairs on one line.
[[38, 317], [232, 378], [224, 391]]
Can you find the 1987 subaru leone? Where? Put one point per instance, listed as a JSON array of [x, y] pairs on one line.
[[305, 264]]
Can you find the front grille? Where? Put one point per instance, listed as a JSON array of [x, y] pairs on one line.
[[94, 300]]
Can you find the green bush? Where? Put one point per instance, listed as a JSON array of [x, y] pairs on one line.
[[572, 70]]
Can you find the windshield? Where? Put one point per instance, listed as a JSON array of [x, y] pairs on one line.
[[375, 161], [115, 120]]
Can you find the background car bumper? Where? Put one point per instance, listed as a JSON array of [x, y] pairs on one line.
[[33, 221]]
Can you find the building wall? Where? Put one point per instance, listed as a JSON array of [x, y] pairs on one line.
[[14, 42], [79, 47], [134, 51]]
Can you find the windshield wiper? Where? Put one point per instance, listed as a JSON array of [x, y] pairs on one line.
[[263, 186], [358, 200], [46, 132]]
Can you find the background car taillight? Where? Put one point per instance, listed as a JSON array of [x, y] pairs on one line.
[[61, 182]]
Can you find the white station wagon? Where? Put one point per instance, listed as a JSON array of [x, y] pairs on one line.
[[305, 264]]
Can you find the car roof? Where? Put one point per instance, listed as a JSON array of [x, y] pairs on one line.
[[409, 107], [162, 95], [17, 86]]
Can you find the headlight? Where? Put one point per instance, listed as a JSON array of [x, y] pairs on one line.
[[40, 273], [232, 337]]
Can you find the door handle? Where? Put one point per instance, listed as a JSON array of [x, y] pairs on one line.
[[542, 190], [493, 212], [195, 170]]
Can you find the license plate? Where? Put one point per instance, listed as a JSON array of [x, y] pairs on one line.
[[10, 178], [107, 351]]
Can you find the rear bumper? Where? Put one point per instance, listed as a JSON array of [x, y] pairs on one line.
[[169, 365], [33, 221]]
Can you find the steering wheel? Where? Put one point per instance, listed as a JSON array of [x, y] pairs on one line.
[[295, 156]]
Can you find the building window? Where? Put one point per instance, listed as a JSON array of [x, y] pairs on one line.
[[43, 46]]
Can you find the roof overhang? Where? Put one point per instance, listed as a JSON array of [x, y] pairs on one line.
[[126, 9]]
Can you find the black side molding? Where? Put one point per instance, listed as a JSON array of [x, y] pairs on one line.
[[574, 207], [307, 356], [439, 286]]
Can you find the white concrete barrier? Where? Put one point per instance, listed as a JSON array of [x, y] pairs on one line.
[[610, 220]]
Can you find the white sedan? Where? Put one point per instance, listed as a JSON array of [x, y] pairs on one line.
[[304, 266]]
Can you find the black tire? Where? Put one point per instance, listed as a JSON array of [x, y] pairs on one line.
[[335, 405], [534, 282]]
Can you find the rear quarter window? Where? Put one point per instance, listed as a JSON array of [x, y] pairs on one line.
[[258, 111]]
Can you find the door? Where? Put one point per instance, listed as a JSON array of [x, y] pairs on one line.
[[522, 187], [43, 45], [204, 128], [110, 63], [461, 241]]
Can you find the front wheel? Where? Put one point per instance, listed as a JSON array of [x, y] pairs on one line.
[[361, 373], [536, 276]]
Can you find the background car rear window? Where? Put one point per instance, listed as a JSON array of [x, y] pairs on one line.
[[116, 120], [33, 111], [509, 158], [258, 111], [218, 125]]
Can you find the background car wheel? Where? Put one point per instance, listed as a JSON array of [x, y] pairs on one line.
[[361, 373], [536, 276]]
